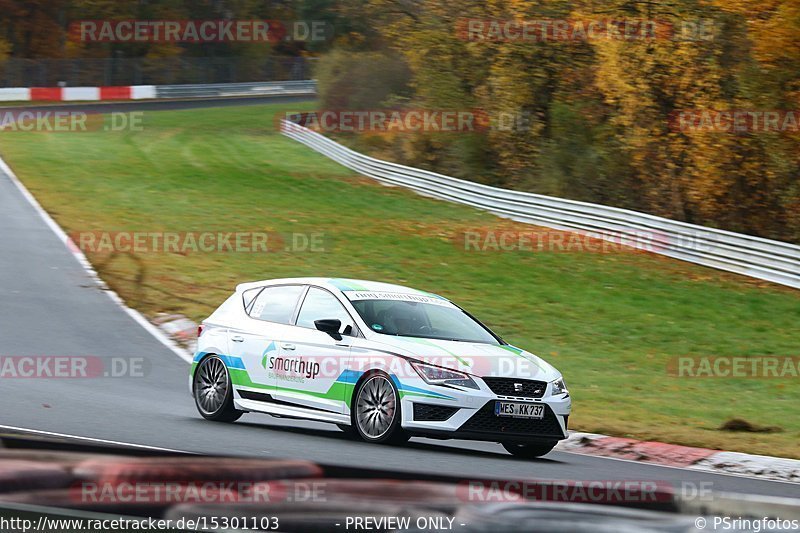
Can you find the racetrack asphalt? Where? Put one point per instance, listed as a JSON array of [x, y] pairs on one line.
[[49, 305], [159, 105]]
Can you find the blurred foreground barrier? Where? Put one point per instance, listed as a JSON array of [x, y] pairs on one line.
[[759, 258]]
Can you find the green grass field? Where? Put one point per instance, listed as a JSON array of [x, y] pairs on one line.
[[609, 322]]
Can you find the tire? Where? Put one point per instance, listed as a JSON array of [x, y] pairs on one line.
[[213, 391], [376, 412], [529, 451]]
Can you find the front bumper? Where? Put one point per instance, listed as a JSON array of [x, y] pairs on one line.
[[470, 415]]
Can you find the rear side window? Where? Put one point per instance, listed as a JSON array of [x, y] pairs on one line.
[[276, 304]]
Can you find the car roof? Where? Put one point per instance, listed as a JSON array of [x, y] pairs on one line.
[[340, 284]]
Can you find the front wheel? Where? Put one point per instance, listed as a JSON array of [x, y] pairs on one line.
[[376, 410], [529, 451], [213, 392]]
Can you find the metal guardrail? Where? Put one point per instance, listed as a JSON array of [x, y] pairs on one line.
[[759, 258], [121, 71], [221, 90]]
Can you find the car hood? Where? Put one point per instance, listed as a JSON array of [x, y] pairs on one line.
[[482, 360]]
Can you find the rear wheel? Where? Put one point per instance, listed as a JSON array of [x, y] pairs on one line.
[[213, 393], [376, 410], [529, 451]]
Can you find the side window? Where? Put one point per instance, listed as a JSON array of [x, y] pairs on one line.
[[320, 304], [276, 304]]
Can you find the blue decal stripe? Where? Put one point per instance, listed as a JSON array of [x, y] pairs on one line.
[[409, 388], [233, 362], [350, 376]]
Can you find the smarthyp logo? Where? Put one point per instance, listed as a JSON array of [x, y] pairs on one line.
[[297, 366]]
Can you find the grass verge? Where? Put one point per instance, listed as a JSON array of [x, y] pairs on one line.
[[610, 322]]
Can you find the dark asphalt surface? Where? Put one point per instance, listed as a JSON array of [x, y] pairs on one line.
[[50, 306], [160, 105]]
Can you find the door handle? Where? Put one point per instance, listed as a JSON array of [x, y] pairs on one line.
[[287, 346], [237, 338]]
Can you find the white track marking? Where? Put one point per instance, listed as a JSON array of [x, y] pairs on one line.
[[92, 439], [87, 266]]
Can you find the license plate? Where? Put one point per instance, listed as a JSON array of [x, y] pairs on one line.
[[519, 410]]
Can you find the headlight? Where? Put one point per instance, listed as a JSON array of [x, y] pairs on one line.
[[436, 375], [559, 387]]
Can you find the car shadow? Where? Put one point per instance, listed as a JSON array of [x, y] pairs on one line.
[[428, 445]]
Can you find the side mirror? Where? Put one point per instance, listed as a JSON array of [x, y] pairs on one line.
[[330, 326]]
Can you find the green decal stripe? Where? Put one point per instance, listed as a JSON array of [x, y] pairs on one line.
[[517, 351], [426, 342], [339, 390], [404, 393], [432, 295], [347, 285], [512, 349], [241, 377]]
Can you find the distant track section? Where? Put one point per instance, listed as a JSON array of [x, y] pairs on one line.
[[154, 92], [177, 104]]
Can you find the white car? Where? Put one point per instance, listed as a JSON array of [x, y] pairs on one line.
[[383, 361]]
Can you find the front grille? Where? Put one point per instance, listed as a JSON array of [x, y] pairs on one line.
[[485, 421], [520, 388], [425, 412]]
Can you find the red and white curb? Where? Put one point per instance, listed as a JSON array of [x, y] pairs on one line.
[[178, 328], [674, 455], [77, 94]]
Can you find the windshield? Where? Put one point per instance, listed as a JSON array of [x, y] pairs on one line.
[[422, 320]]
